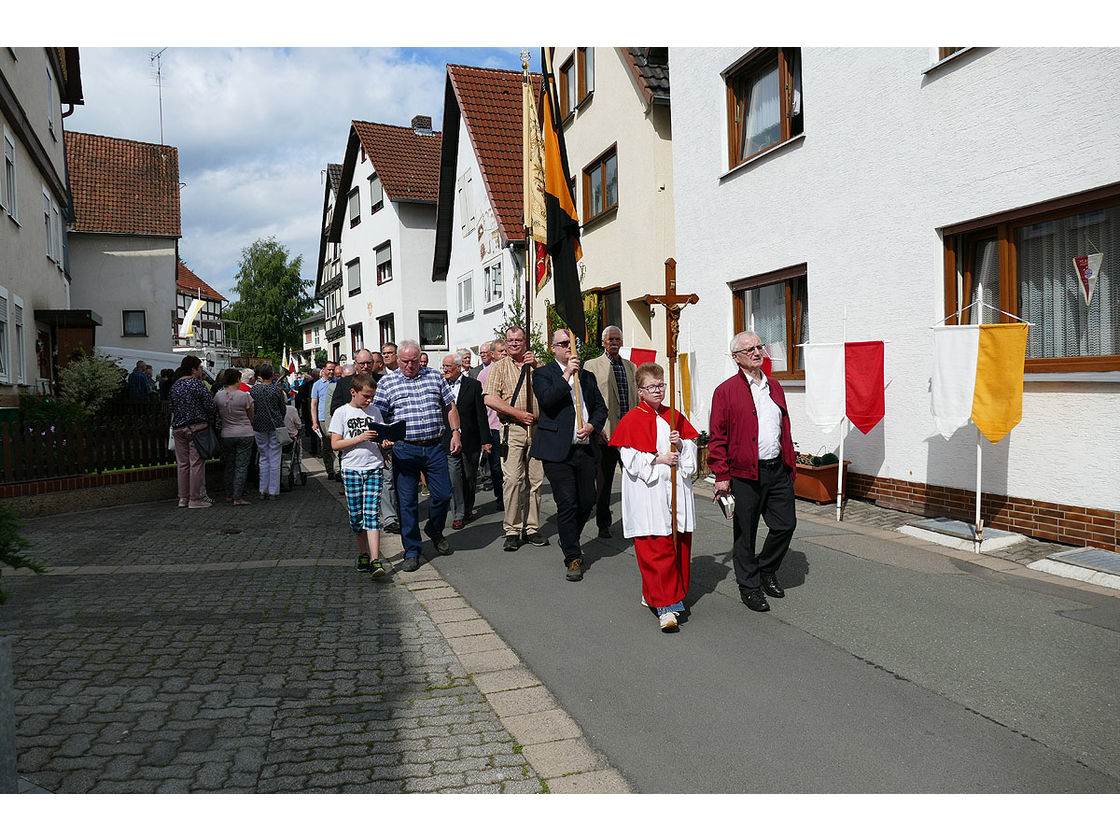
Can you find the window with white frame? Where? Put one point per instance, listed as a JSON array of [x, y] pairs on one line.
[[19, 354], [134, 321], [52, 106], [466, 203], [355, 207], [11, 197], [5, 359], [353, 277], [492, 283], [384, 259], [56, 227], [48, 230], [433, 330], [376, 194], [466, 294]]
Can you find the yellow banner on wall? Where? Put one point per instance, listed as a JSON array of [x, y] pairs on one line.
[[997, 403]]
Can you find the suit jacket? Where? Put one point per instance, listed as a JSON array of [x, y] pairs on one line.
[[608, 388], [474, 371], [303, 401], [474, 427], [552, 438]]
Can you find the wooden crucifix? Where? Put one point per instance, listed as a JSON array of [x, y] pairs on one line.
[[673, 304]]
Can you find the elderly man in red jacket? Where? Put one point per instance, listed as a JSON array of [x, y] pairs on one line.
[[752, 457]]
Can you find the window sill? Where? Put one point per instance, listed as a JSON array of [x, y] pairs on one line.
[[134, 335], [587, 97], [465, 316], [354, 292], [1074, 376], [493, 305], [785, 377], [568, 117], [749, 162], [949, 59], [609, 213], [355, 222]]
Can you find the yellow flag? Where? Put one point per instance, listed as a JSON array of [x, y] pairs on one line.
[[997, 403], [186, 329], [686, 385], [533, 163]]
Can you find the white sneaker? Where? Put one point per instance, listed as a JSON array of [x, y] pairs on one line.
[[668, 622], [644, 604]]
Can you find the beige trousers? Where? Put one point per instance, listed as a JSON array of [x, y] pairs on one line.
[[513, 483]]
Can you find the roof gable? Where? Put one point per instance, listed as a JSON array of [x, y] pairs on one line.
[[189, 283], [407, 163], [490, 104], [123, 186]]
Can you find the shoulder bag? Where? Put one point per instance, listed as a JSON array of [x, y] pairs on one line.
[[206, 442], [503, 448]]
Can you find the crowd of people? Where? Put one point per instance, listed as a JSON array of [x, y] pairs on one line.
[[511, 421], [390, 428]]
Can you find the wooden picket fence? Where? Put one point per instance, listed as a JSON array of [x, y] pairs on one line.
[[65, 448]]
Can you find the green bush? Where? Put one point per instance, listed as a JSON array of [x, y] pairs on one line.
[[12, 546], [37, 409], [90, 380]]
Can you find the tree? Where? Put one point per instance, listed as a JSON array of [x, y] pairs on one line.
[[272, 298]]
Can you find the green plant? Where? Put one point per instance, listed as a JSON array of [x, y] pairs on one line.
[[702, 438], [320, 358], [90, 380], [38, 409], [515, 317], [12, 546]]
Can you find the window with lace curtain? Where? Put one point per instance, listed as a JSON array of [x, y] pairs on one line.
[[1023, 264], [775, 306], [763, 102]]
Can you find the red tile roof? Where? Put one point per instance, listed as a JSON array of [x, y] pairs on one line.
[[189, 283], [490, 104], [123, 186], [407, 163]]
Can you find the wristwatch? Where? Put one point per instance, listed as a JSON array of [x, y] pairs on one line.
[[453, 431]]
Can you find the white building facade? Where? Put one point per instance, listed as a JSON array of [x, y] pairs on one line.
[[384, 224], [869, 193]]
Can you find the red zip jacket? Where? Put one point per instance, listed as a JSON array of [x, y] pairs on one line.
[[733, 447]]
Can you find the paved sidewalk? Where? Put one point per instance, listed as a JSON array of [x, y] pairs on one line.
[[237, 650]]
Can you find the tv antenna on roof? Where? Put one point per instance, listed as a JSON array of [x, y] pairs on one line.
[[154, 58]]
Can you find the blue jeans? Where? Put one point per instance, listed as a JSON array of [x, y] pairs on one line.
[[269, 448], [409, 461]]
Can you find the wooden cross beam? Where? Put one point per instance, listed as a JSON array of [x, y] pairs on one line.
[[673, 304]]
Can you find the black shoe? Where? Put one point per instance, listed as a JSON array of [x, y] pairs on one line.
[[441, 546], [536, 538], [771, 588], [754, 599], [411, 564], [512, 543], [575, 571], [500, 505], [363, 564], [605, 533], [392, 528]]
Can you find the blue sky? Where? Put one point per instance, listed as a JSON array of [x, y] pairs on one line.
[[256, 127]]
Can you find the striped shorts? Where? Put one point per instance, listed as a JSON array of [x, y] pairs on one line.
[[363, 498]]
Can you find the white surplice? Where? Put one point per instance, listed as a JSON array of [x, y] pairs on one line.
[[647, 494]]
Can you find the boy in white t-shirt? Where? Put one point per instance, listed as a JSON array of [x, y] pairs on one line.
[[360, 463]]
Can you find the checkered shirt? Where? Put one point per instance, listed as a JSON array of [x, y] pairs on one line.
[[501, 382], [620, 378], [418, 402]]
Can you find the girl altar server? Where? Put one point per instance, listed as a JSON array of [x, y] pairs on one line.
[[651, 439]]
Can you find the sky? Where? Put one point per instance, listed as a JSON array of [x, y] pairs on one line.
[[256, 128]]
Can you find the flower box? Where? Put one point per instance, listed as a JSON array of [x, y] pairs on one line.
[[818, 484]]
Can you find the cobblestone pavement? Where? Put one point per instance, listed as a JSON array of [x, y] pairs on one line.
[[236, 649]]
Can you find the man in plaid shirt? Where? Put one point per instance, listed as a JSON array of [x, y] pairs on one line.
[[416, 394]]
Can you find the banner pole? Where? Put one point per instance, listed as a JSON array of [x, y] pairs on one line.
[[979, 537], [840, 466]]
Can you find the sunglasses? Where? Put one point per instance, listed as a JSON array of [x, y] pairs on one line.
[[561, 344]]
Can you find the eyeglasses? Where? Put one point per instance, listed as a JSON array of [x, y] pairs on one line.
[[655, 388], [758, 348], [562, 344]]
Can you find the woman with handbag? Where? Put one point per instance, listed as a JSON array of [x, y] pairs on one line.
[[191, 410], [268, 416], [235, 407]]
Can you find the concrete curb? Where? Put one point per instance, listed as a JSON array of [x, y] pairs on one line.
[[549, 738]]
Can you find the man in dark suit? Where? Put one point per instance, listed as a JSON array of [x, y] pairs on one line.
[[568, 445], [484, 360], [303, 406], [474, 434]]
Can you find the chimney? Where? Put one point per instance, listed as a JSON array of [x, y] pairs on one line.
[[422, 125]]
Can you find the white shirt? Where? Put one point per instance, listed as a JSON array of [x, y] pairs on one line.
[[349, 422], [582, 405], [456, 383], [647, 492], [769, 419]]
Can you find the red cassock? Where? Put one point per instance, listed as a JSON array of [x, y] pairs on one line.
[[665, 572]]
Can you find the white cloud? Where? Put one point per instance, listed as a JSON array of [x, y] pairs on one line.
[[255, 128]]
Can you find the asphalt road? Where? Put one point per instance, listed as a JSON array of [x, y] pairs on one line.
[[887, 668]]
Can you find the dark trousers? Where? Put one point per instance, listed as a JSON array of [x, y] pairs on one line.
[[604, 484], [463, 470], [328, 452], [573, 489], [409, 461], [771, 496], [495, 457]]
